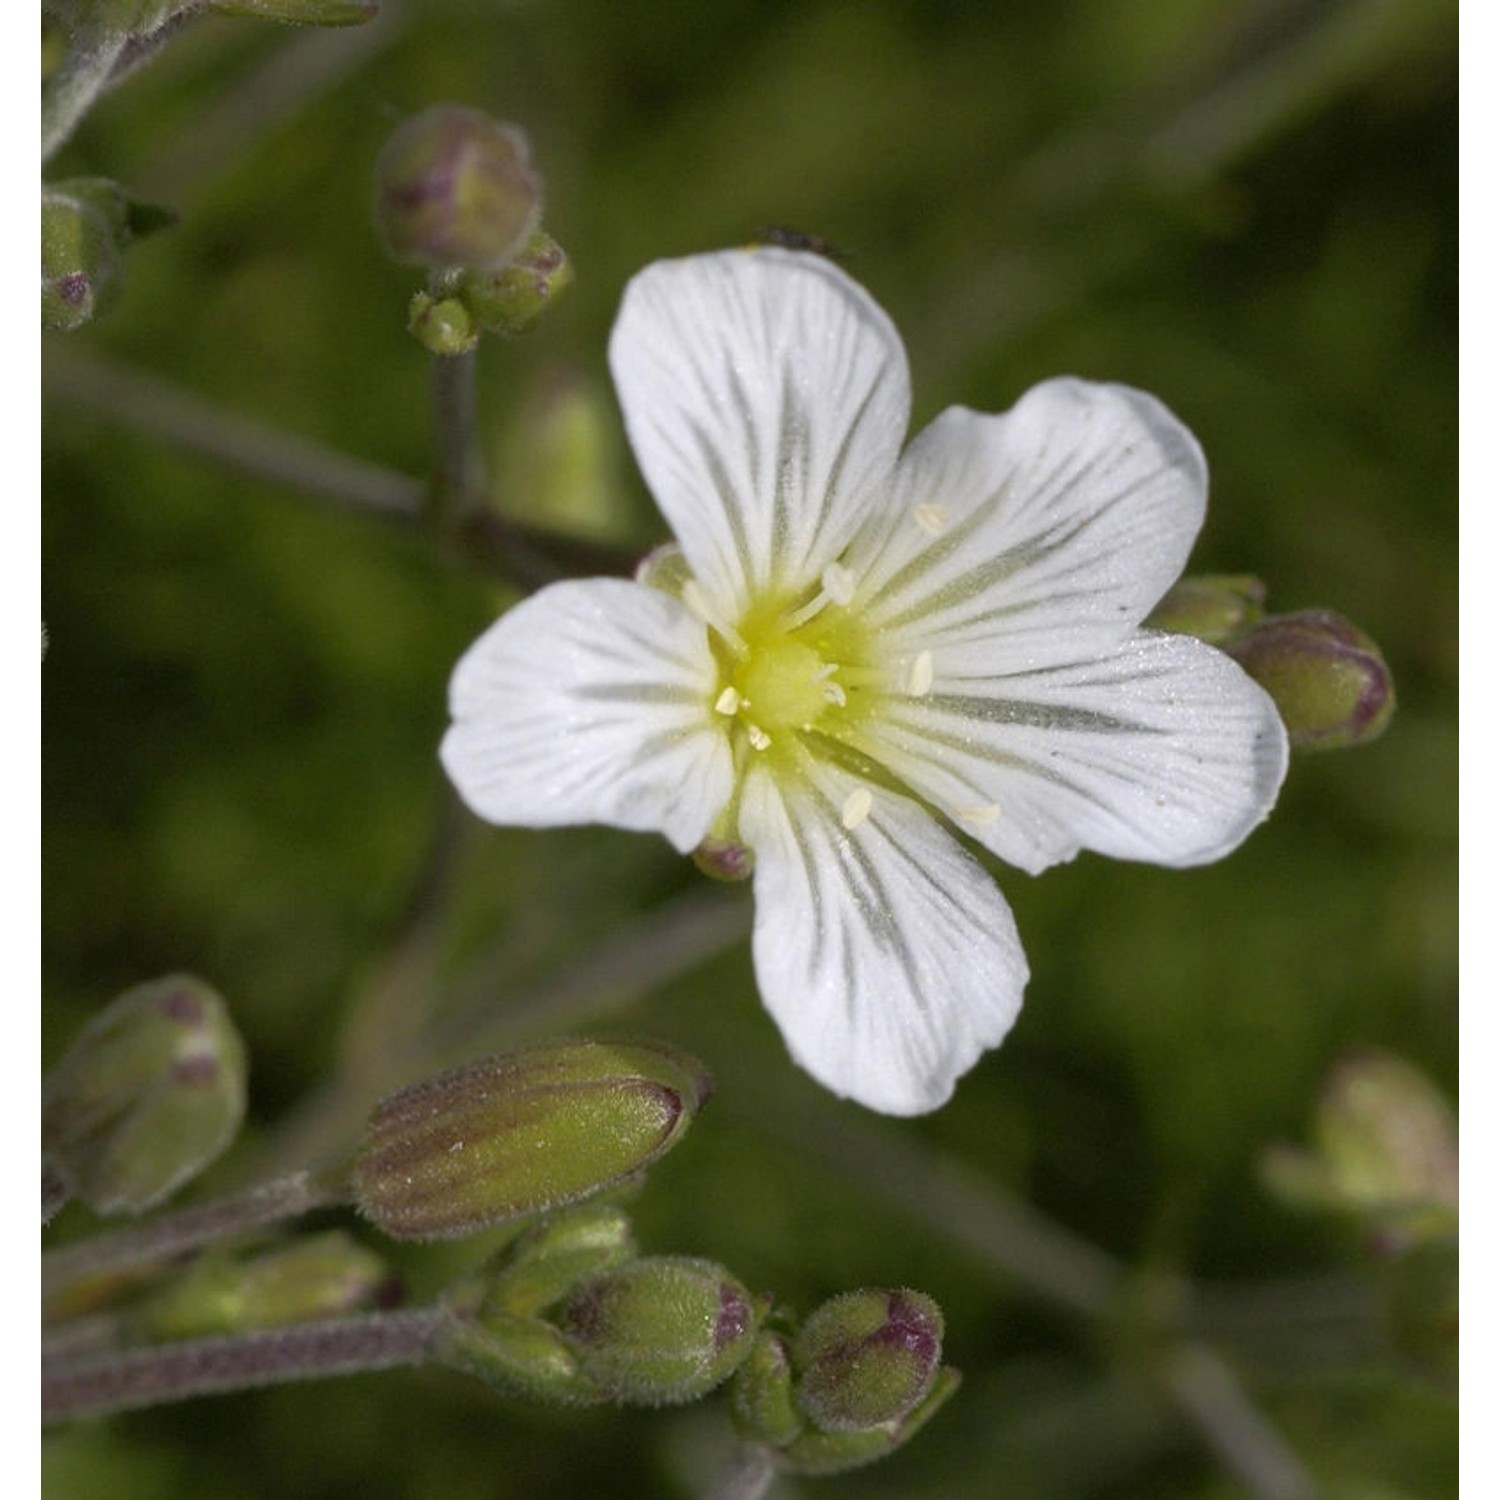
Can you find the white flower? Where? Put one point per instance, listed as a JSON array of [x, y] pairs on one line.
[[865, 649]]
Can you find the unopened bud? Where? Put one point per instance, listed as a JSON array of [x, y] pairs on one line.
[[1385, 1147], [1213, 606], [867, 1358], [322, 1276], [150, 1093], [515, 1135], [659, 1331], [550, 1259], [441, 324], [301, 12], [511, 299], [455, 190], [83, 265], [724, 859], [837, 1452], [1329, 681], [760, 1395]]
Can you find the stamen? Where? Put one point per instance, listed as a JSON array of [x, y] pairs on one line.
[[919, 675], [838, 583], [697, 601], [857, 807], [979, 812], [757, 737], [933, 519], [728, 702], [835, 694]]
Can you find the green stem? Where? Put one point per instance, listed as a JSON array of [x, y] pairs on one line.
[[456, 469], [95, 1384], [79, 79], [175, 1234]]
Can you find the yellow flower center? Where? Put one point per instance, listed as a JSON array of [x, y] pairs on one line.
[[785, 684]]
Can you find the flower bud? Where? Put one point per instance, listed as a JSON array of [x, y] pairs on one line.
[[301, 12], [442, 325], [514, 1135], [724, 859], [511, 299], [1214, 606], [149, 1094], [455, 190], [867, 1358], [836, 1452], [322, 1276], [659, 1331], [550, 1259], [1385, 1147], [1330, 683], [83, 265], [760, 1395]]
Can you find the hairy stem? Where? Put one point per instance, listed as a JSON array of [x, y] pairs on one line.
[[95, 1384], [79, 79], [175, 1234]]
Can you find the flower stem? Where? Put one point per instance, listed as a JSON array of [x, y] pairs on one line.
[[98, 1383], [456, 469], [173, 1234], [79, 79]]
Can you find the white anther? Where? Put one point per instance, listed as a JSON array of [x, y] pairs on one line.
[[919, 675], [834, 694], [757, 736], [728, 702], [979, 812], [838, 583], [857, 807], [933, 519]]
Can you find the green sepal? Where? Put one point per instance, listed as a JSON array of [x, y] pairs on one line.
[[549, 1260], [760, 1394], [521, 1356], [835, 1452]]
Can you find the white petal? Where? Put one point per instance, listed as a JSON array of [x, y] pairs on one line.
[[884, 952], [1163, 751], [591, 703], [766, 396], [1038, 536]]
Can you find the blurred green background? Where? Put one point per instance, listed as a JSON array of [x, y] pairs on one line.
[[1246, 208]]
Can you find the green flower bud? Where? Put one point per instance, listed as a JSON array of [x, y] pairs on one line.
[[83, 267], [1213, 607], [1385, 1148], [322, 1276], [835, 1452], [441, 324], [512, 1136], [550, 1259], [455, 190], [301, 12], [724, 859], [511, 299], [659, 1331], [1330, 683], [519, 1355], [150, 1093], [760, 1394], [867, 1358]]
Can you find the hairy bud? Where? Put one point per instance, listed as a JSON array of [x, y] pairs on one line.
[[512, 1136], [149, 1094]]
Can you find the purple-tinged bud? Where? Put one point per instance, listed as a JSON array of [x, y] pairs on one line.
[[867, 1358], [837, 1452], [456, 191], [511, 299], [513, 1136], [1329, 681], [1385, 1148], [150, 1093], [83, 265], [1215, 607], [760, 1394], [661, 1330], [724, 859], [322, 1276]]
